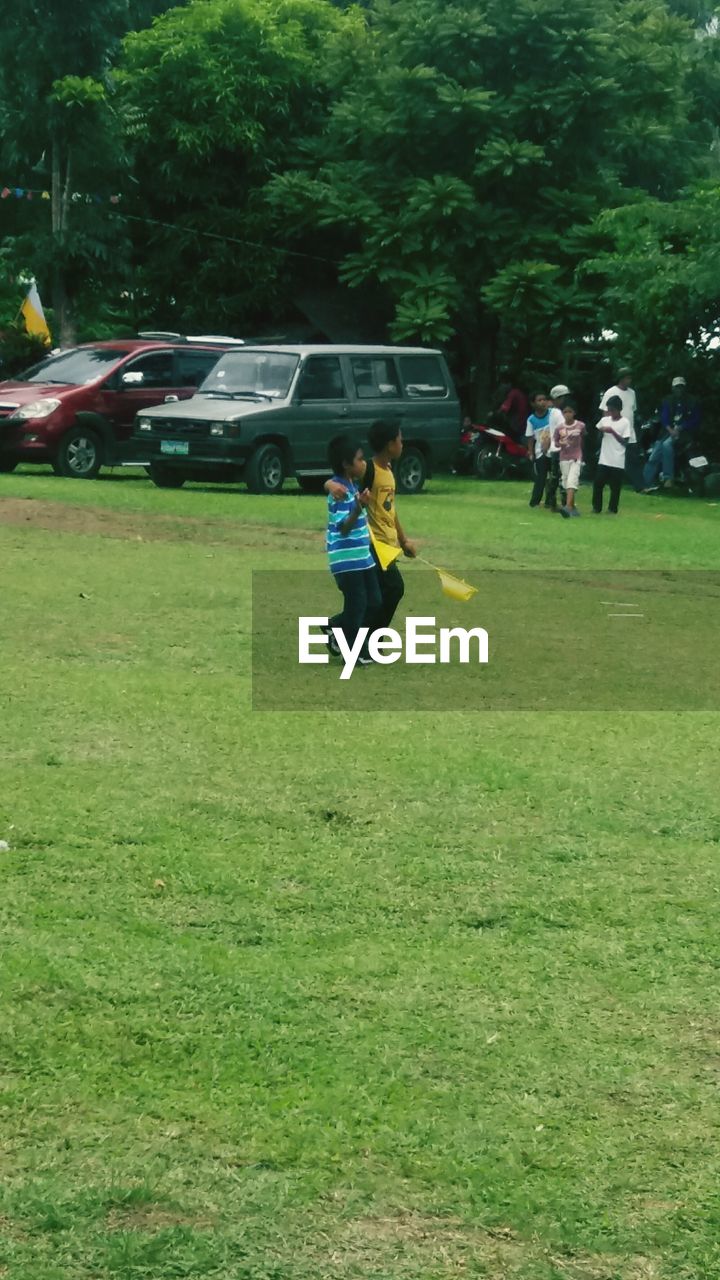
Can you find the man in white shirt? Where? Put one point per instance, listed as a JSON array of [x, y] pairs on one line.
[[624, 389], [614, 430]]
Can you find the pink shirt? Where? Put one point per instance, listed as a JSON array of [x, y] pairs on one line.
[[568, 439]]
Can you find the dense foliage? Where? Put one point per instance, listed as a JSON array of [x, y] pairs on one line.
[[510, 181]]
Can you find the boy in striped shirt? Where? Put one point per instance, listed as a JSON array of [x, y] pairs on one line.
[[348, 545]]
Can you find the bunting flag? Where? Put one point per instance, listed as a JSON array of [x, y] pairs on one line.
[[77, 197], [34, 316]]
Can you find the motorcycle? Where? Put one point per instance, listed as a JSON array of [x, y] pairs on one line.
[[491, 453]]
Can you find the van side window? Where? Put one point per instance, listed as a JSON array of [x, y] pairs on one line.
[[375, 378], [424, 377], [322, 379]]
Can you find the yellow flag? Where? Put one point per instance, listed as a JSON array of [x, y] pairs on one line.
[[34, 316], [386, 555]]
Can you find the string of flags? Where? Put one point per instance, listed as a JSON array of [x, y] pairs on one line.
[[77, 197]]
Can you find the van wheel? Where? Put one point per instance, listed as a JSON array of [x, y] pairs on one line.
[[411, 471], [166, 477], [264, 472], [80, 455]]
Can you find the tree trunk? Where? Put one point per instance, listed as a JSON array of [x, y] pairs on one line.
[[65, 334]]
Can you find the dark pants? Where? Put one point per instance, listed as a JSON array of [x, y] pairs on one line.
[[541, 467], [634, 462], [361, 594], [553, 483], [612, 476], [392, 590]]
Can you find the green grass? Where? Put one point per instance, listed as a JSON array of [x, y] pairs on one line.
[[343, 994]]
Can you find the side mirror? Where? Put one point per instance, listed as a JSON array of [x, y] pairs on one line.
[[133, 378]]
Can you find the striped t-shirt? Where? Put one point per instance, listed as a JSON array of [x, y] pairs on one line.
[[350, 551]]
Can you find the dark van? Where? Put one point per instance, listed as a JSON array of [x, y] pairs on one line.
[[265, 413]]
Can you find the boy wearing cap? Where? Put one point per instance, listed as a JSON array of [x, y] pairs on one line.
[[624, 389], [558, 399], [679, 415]]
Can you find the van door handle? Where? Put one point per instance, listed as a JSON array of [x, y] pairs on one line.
[[345, 408]]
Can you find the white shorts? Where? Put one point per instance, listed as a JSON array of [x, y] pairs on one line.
[[570, 472]]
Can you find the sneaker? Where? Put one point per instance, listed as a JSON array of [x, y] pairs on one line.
[[366, 661], [565, 513], [653, 488], [574, 511], [333, 645], [611, 513]]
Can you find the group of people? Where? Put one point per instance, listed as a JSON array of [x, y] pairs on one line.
[[555, 439], [365, 539]]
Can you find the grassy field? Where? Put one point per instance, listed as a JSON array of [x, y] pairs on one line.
[[349, 994]]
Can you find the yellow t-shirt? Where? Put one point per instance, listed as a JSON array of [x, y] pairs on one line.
[[381, 507]]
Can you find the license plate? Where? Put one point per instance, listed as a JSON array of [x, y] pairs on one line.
[[174, 446]]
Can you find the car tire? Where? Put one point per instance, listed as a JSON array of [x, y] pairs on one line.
[[7, 465], [312, 484], [410, 471], [166, 477], [265, 471], [80, 455]]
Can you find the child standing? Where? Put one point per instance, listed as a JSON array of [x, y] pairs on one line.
[[348, 545], [538, 438], [616, 434], [569, 440]]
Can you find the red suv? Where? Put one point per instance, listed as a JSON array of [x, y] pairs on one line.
[[76, 409]]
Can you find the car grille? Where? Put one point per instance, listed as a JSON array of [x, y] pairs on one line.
[[180, 427]]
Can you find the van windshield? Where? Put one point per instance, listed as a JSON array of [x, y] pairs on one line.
[[73, 368], [252, 373]]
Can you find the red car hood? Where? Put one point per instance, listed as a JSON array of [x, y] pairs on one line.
[[13, 394]]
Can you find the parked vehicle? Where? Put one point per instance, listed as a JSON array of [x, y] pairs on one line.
[[492, 454], [76, 408], [268, 412]]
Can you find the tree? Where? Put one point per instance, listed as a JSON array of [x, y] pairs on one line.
[[61, 130], [253, 84], [472, 145], [658, 281]]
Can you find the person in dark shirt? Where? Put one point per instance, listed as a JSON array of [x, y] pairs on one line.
[[680, 416], [514, 406]]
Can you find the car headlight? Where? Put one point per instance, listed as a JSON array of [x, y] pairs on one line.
[[217, 428], [36, 409], [144, 424]]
